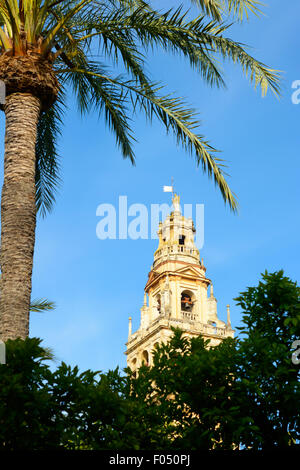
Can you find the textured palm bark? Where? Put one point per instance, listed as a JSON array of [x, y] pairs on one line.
[[18, 214]]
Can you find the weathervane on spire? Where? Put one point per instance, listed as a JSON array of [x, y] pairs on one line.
[[175, 197], [170, 189]]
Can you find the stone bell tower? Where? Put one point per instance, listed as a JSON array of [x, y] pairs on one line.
[[176, 293]]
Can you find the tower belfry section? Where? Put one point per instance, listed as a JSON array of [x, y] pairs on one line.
[[176, 293]]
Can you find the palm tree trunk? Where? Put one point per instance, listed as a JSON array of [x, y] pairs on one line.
[[18, 214]]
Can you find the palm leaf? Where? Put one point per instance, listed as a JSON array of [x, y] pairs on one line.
[[239, 8], [94, 92], [182, 120], [41, 305], [48, 41], [198, 40], [47, 159], [213, 8]]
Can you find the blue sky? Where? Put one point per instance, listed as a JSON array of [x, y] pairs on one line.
[[98, 284]]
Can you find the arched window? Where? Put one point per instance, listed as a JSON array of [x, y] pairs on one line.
[[145, 357]]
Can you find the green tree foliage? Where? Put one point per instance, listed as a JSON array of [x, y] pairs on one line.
[[244, 392], [271, 314], [192, 389], [44, 409]]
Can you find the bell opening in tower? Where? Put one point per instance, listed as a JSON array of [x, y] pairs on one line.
[[186, 302]]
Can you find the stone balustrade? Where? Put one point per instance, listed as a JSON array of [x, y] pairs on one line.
[[168, 251], [186, 317]]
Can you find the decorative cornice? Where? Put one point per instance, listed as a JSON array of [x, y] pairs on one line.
[[154, 277]]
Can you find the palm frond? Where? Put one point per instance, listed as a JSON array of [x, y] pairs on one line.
[[198, 40], [171, 32], [59, 25], [242, 8], [213, 8], [182, 120], [239, 8], [94, 92], [115, 44], [258, 73], [47, 158], [41, 305]]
